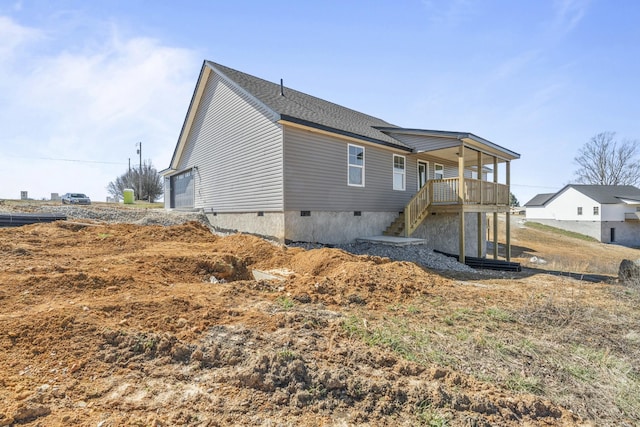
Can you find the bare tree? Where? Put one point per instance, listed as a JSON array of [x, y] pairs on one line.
[[605, 161], [149, 188]]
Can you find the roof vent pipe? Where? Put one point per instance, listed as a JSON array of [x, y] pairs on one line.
[[281, 88]]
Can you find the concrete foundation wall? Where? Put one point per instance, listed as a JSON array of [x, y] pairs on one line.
[[335, 227], [627, 233], [441, 231], [270, 224]]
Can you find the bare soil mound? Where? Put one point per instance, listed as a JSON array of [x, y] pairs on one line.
[[121, 324]]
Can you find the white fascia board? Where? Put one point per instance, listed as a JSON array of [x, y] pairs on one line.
[[629, 201], [191, 113]]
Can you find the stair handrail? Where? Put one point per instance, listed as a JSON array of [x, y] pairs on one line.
[[416, 208]]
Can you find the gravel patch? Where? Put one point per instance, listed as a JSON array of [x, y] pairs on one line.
[[115, 214], [418, 254], [132, 216]]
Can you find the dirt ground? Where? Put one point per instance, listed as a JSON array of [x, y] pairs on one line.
[[117, 324]]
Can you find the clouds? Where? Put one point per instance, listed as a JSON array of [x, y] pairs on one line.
[[451, 12], [13, 36], [90, 103], [568, 13], [120, 88]]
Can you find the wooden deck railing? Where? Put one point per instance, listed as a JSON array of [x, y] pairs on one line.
[[416, 210], [445, 192]]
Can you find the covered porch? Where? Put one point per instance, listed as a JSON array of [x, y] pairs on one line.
[[477, 181]]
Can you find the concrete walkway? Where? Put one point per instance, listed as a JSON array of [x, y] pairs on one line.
[[391, 240]]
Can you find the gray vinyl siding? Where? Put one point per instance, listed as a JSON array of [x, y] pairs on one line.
[[430, 143], [450, 168], [316, 175], [236, 147]]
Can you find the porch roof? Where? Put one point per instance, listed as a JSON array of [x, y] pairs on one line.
[[450, 141]]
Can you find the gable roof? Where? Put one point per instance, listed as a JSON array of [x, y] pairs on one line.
[[298, 107], [539, 199], [295, 107], [608, 194], [603, 194]]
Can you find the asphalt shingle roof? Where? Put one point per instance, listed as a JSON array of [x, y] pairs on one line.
[[306, 109], [540, 199], [603, 194], [608, 194]]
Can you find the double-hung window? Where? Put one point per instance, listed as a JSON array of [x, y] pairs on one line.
[[438, 171], [399, 174], [579, 210], [596, 210], [356, 166]]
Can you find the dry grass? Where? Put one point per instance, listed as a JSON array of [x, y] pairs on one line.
[[573, 342], [574, 351], [563, 251], [560, 231]]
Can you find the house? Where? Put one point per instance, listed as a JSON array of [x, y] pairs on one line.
[[608, 213], [263, 158]]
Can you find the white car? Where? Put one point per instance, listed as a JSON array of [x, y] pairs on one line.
[[75, 199]]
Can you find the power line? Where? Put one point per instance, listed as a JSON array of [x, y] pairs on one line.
[[66, 160], [140, 153], [534, 186]]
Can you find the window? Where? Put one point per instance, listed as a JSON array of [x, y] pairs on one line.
[[398, 172], [579, 210], [356, 166], [596, 210], [438, 171]]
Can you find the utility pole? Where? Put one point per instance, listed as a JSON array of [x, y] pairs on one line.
[[139, 144]]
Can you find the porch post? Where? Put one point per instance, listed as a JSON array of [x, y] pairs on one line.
[[461, 203], [508, 214], [481, 201], [495, 213]]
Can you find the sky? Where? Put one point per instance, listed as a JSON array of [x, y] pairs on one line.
[[83, 83]]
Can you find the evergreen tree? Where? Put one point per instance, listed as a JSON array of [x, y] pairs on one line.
[[513, 200]]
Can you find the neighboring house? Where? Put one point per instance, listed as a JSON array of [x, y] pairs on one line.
[[262, 158], [608, 213]]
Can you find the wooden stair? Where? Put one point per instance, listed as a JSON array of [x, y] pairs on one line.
[[418, 220], [397, 227]]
